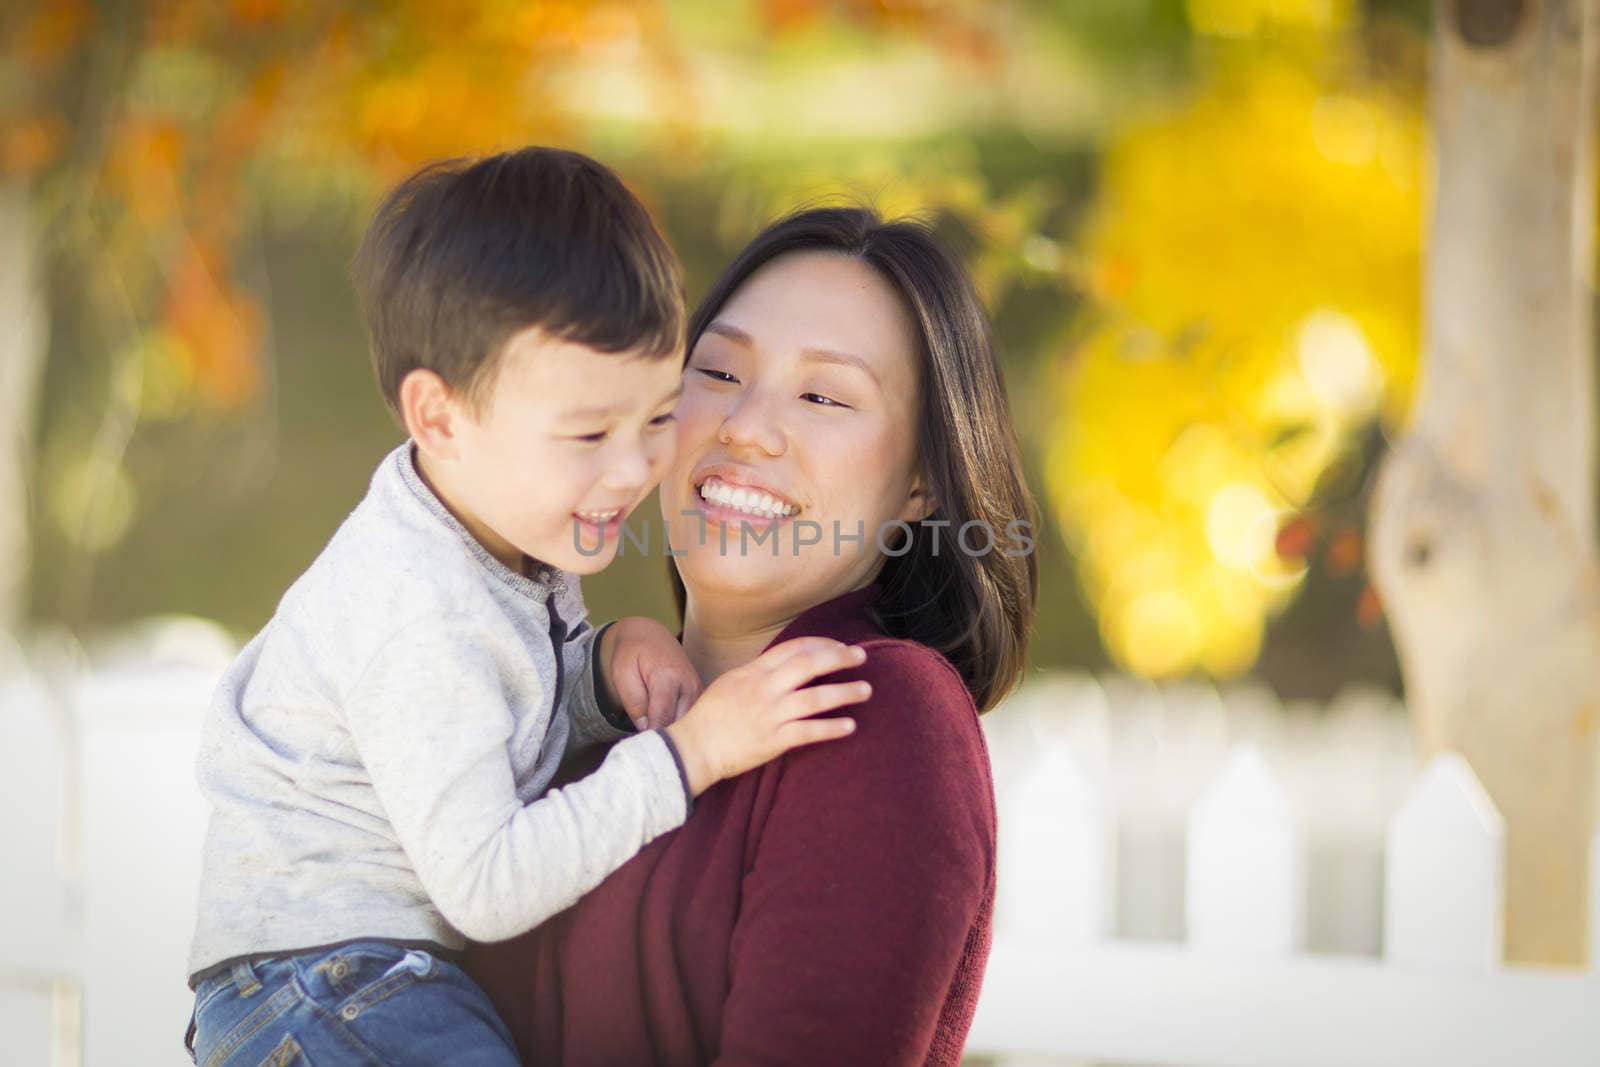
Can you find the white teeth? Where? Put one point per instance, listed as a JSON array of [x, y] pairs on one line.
[[753, 501]]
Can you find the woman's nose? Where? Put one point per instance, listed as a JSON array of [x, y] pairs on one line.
[[752, 425]]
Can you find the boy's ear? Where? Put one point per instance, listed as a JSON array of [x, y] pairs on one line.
[[428, 413]]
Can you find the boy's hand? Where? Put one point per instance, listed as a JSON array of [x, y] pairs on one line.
[[647, 672], [759, 711]]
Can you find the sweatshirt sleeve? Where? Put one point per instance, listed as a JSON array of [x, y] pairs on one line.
[[870, 872], [594, 720], [431, 719]]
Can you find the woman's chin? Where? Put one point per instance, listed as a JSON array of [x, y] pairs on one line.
[[707, 569]]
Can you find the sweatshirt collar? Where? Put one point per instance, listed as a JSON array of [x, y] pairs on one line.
[[849, 618]]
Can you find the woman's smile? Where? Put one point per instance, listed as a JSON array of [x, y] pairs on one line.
[[730, 494]]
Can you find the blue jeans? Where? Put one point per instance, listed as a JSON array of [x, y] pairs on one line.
[[368, 1002]]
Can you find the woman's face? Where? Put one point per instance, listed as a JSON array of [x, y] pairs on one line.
[[796, 431]]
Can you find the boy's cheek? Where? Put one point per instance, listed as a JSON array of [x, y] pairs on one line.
[[660, 459]]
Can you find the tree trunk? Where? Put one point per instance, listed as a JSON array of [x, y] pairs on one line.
[[1483, 535], [22, 344]]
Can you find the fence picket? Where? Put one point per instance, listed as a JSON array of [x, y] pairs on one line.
[[1080, 769], [1594, 903], [144, 823], [1246, 869], [39, 915], [1057, 868], [1444, 897]]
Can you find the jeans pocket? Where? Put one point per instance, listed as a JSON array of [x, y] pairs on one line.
[[210, 989], [412, 967], [416, 961], [241, 1021], [287, 1054], [335, 975]]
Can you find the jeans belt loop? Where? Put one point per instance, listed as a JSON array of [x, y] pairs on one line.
[[244, 977]]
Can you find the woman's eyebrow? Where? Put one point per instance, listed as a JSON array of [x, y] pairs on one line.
[[844, 359], [732, 333], [819, 355]]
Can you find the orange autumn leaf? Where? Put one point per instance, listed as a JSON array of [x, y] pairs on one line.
[[1369, 609], [259, 12], [782, 15], [1295, 537], [55, 30], [216, 327], [29, 146], [1344, 553], [143, 162]]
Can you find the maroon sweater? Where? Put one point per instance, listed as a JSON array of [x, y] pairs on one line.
[[830, 907]]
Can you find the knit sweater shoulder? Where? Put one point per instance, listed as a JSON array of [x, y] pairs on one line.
[[833, 906], [378, 759]]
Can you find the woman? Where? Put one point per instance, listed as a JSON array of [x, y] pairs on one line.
[[844, 434]]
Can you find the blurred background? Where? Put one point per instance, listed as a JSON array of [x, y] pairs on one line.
[[1198, 226]]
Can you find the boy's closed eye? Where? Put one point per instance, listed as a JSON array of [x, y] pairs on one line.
[[595, 438]]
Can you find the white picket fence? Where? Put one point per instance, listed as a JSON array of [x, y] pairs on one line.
[[100, 846], [1190, 879], [1187, 877]]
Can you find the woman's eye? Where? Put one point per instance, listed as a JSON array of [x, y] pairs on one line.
[[822, 401], [662, 420], [717, 375], [591, 438]]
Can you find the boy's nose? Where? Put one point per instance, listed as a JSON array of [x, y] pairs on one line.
[[629, 471]]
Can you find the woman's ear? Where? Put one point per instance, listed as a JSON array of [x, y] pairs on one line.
[[429, 413], [920, 502]]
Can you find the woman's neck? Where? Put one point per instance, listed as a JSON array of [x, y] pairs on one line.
[[716, 642]]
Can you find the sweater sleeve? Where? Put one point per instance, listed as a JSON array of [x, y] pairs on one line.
[[867, 876], [431, 720], [595, 720]]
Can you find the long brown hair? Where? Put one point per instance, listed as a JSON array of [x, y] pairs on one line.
[[976, 610]]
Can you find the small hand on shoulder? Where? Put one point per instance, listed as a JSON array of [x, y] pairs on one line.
[[758, 711], [647, 671], [752, 714]]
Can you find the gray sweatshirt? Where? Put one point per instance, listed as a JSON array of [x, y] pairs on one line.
[[377, 759]]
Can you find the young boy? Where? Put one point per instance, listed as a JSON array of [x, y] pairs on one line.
[[379, 757]]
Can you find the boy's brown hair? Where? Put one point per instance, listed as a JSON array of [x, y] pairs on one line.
[[466, 253]]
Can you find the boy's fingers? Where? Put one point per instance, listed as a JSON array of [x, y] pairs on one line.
[[663, 695], [820, 698], [798, 670], [778, 655], [631, 693], [811, 731], [686, 698], [675, 704]]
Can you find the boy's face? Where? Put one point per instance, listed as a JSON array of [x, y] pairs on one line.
[[566, 443]]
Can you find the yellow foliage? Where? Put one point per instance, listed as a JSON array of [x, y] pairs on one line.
[[1256, 259], [1240, 18], [945, 183]]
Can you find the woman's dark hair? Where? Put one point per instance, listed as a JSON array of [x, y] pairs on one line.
[[976, 610], [465, 253]]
